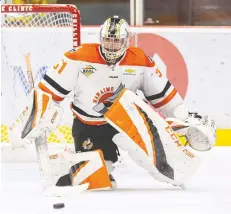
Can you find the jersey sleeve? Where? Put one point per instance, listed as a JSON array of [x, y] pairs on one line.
[[60, 79], [159, 91]]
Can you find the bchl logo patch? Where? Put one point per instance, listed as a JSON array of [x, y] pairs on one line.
[[88, 70]]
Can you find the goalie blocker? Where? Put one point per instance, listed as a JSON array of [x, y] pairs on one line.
[[43, 114]]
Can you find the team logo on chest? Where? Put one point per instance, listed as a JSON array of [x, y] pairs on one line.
[[88, 70], [103, 94], [105, 98]]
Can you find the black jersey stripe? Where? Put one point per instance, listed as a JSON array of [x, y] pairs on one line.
[[161, 94], [83, 113], [55, 85]]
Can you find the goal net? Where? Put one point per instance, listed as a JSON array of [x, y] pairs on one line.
[[34, 37]]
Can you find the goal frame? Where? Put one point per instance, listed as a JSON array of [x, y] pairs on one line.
[[74, 42], [43, 8]]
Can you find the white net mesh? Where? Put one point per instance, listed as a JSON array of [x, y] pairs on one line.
[[63, 19], [45, 37]]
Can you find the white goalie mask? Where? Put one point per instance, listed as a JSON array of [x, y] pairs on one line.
[[114, 38]]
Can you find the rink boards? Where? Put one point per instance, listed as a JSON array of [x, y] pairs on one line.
[[196, 60]]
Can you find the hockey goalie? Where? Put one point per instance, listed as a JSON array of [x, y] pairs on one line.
[[118, 94]]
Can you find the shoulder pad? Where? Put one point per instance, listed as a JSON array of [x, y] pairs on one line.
[[137, 57]]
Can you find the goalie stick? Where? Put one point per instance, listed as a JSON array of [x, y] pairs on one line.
[[43, 157], [29, 71], [42, 148], [31, 84], [18, 142]]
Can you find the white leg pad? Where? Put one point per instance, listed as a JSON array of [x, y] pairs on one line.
[[149, 140]]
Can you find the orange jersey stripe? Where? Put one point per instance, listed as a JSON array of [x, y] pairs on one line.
[[87, 53], [91, 123], [90, 53], [54, 96], [136, 57], [166, 100]]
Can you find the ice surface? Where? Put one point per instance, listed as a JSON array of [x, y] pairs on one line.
[[208, 192]]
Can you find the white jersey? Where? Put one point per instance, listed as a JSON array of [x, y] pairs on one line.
[[96, 84]]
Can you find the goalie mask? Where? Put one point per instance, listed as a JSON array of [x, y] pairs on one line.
[[114, 38]]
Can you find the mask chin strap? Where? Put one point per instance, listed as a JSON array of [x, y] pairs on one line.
[[110, 61], [115, 60]]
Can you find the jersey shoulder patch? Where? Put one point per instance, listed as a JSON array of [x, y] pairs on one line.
[[137, 57], [86, 53]]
